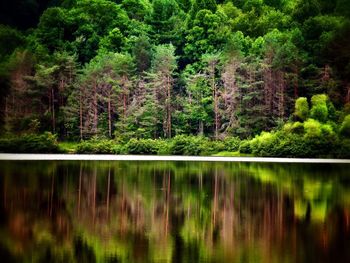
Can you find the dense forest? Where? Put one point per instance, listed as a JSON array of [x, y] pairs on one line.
[[265, 77]]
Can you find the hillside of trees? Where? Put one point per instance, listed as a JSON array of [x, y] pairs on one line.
[[221, 72]]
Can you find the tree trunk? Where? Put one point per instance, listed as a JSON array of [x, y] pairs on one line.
[[201, 127], [81, 115], [214, 88], [347, 98], [95, 123], [168, 109], [53, 110], [296, 83], [109, 116]]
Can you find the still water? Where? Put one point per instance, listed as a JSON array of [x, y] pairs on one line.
[[132, 211]]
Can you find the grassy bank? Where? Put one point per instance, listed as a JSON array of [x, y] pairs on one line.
[[285, 142]]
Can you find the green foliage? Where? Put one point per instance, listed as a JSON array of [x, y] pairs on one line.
[[232, 143], [319, 110], [10, 39], [44, 143], [301, 108], [130, 69], [309, 139], [194, 145], [98, 146], [345, 127], [244, 147], [136, 9], [142, 146]]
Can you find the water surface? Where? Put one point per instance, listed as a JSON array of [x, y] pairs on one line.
[[132, 211]]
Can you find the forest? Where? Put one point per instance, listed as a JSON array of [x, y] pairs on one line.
[[196, 77]]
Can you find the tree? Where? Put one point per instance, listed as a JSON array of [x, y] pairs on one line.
[[230, 93], [305, 9], [212, 61], [102, 91], [208, 35], [137, 9], [166, 20], [51, 84], [161, 78], [142, 53], [199, 5], [198, 102]]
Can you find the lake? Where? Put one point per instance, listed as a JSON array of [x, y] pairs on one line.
[[174, 211]]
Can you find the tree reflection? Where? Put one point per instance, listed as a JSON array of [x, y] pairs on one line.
[[173, 212]]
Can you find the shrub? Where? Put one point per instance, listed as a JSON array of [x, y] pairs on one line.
[[312, 128], [345, 127], [232, 144], [44, 143], [163, 147], [301, 108], [193, 145], [208, 147], [319, 110], [142, 146], [263, 144], [95, 146], [297, 128], [344, 150], [244, 147]]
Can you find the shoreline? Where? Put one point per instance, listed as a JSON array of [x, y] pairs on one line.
[[105, 157]]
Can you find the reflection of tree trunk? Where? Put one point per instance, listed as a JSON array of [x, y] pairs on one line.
[[215, 197], [79, 190], [154, 196], [280, 212], [94, 195], [108, 189], [51, 196], [123, 208], [167, 206], [5, 194]]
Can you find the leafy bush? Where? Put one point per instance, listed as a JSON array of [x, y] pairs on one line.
[[163, 147], [345, 127], [194, 145], [244, 147], [262, 144], [319, 110], [44, 143], [231, 144], [301, 108], [312, 128], [343, 151], [142, 146], [96, 146]]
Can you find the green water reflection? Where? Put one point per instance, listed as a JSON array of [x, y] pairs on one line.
[[84, 211]]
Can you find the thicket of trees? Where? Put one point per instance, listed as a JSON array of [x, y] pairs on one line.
[[156, 69]]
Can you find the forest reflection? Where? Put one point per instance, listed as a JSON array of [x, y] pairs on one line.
[[174, 212]]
